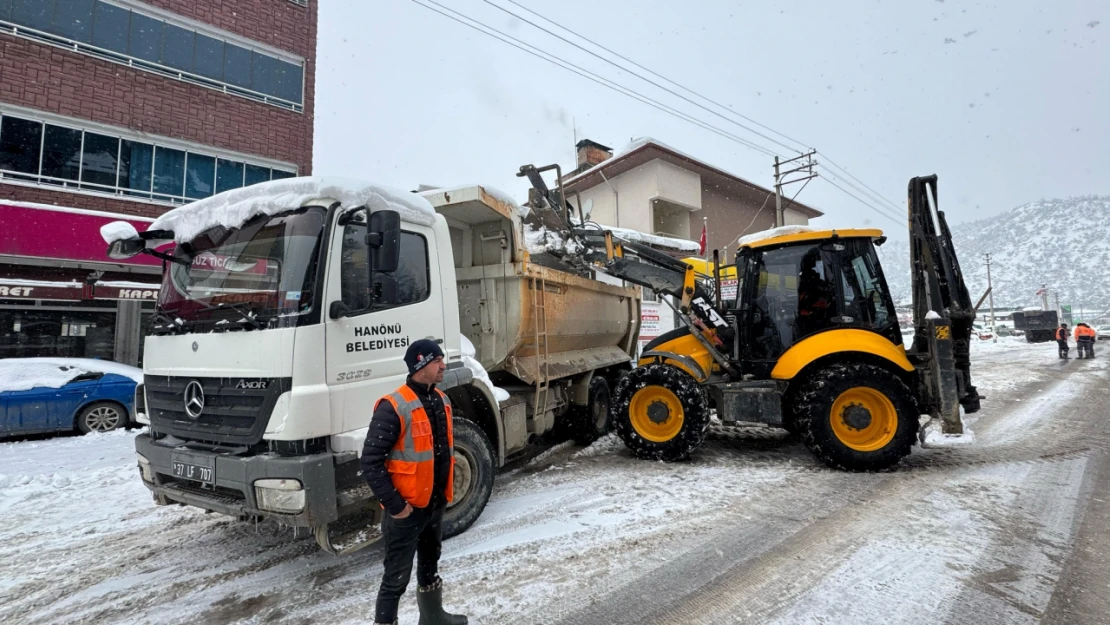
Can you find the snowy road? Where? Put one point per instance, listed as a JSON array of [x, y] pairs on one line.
[[752, 530]]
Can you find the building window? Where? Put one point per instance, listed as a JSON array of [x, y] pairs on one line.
[[61, 153], [99, 159], [52, 154], [20, 145], [154, 44]]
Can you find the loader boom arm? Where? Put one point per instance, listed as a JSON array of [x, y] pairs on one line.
[[943, 312]]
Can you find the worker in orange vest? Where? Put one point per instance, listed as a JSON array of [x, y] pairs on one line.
[[1062, 340], [408, 461], [1085, 340]]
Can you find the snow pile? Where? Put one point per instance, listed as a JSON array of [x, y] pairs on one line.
[[479, 371], [118, 231], [636, 236], [773, 233], [231, 209], [21, 374], [545, 241], [934, 438], [932, 315]]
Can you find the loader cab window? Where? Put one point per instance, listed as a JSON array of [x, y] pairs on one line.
[[866, 300], [794, 296], [408, 285]]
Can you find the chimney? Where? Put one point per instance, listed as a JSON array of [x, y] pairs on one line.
[[591, 153]]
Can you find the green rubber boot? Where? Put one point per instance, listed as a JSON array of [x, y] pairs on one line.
[[430, 601]]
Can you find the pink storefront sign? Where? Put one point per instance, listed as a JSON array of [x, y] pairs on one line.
[[57, 232]]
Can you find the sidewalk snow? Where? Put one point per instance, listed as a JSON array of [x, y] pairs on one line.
[[231, 209], [21, 374], [479, 371]]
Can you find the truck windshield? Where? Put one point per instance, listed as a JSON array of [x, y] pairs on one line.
[[245, 278]]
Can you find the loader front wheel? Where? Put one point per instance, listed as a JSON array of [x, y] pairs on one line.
[[661, 413], [857, 417]]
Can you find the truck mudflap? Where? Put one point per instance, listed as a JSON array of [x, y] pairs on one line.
[[223, 482]]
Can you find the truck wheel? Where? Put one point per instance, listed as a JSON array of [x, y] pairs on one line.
[[591, 422], [473, 477], [661, 413], [102, 416], [857, 417]]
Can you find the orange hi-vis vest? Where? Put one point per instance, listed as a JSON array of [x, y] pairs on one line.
[[1080, 331], [1061, 334], [411, 462]]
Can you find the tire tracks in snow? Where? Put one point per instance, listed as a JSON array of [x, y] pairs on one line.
[[1019, 489]]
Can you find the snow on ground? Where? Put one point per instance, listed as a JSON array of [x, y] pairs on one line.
[[20, 374], [82, 542]]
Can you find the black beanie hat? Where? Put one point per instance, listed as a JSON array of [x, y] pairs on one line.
[[420, 353]]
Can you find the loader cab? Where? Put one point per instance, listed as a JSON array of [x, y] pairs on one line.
[[797, 286]]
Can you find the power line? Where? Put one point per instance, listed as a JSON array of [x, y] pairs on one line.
[[869, 193], [571, 67], [878, 203], [878, 196], [622, 68], [623, 90], [868, 205], [658, 75]]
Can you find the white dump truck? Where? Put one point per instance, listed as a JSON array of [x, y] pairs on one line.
[[284, 314]]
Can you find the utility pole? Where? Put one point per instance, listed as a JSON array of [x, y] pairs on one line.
[[1044, 297], [1059, 313], [783, 178], [990, 289]]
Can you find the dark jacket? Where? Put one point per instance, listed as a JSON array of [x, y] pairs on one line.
[[385, 428]]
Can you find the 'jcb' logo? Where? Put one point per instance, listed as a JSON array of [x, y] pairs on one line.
[[944, 333]]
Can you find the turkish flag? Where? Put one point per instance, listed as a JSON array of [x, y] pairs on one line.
[[702, 243]]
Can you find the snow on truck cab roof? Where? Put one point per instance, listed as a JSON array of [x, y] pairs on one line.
[[798, 234], [232, 209]]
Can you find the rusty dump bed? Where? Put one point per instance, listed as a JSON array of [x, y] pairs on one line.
[[505, 300]]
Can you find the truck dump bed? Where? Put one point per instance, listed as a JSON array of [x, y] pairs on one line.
[[512, 308]]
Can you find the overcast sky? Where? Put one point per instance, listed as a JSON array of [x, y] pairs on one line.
[[1007, 101]]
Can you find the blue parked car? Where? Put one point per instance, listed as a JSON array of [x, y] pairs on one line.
[[39, 395]]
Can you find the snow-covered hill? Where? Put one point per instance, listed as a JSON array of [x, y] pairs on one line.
[[1062, 243]]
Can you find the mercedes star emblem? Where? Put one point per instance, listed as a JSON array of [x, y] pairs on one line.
[[194, 400], [196, 346]]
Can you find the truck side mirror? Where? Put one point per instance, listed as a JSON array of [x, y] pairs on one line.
[[123, 249], [384, 239], [337, 309]]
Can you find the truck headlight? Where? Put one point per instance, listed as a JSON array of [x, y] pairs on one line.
[[277, 495], [145, 470]]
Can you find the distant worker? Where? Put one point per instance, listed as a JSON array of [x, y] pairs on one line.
[[1085, 340], [1062, 340], [408, 460]]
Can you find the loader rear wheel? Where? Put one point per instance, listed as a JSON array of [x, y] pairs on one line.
[[661, 413], [857, 417]]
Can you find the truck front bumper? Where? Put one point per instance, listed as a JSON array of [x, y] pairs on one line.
[[231, 489]]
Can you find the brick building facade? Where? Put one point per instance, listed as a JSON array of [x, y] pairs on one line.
[[129, 108]]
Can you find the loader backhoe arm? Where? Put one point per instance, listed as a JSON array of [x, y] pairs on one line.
[[629, 260], [943, 312]]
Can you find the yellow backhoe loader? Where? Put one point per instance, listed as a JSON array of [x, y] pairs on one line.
[[803, 336]]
